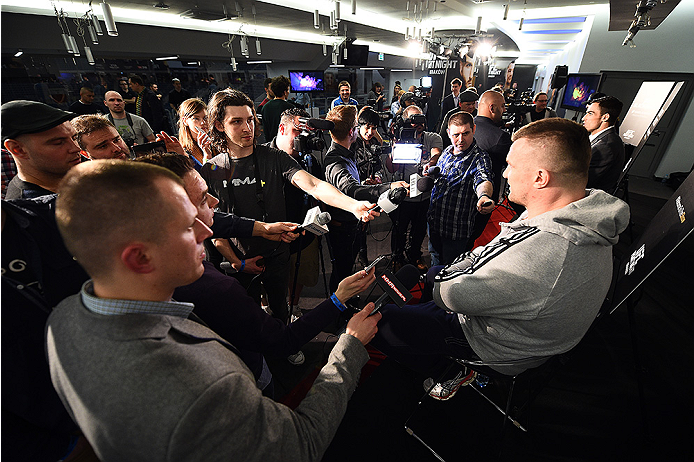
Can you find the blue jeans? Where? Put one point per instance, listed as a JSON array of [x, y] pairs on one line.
[[421, 336], [447, 249]]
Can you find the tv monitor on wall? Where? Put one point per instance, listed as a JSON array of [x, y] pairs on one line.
[[357, 55], [578, 89], [304, 81]]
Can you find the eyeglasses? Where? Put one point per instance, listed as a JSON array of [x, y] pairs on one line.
[[541, 101]]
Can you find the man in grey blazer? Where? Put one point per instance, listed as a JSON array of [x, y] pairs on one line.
[[141, 375], [606, 146]]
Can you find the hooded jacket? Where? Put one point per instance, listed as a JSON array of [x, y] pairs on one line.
[[535, 289]]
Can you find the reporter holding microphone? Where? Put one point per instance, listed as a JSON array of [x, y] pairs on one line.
[[341, 171]]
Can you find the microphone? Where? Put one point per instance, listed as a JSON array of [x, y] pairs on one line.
[[389, 200], [396, 288], [434, 171], [422, 184], [317, 124], [315, 222]]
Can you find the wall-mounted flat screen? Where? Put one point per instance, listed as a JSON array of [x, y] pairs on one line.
[[303, 81], [578, 89]]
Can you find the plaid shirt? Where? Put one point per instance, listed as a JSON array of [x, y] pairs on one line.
[[9, 170], [454, 198], [107, 306]]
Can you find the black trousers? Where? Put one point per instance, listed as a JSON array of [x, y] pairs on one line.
[[412, 215], [345, 245]]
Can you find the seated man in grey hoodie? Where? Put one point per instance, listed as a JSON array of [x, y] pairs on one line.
[[534, 290]]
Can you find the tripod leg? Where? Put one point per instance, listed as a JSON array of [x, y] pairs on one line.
[[296, 276], [637, 363], [322, 264]]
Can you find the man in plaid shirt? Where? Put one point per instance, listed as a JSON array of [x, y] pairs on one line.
[[465, 185]]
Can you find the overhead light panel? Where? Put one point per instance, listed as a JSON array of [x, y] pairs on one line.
[[19, 53], [267, 61], [166, 58]]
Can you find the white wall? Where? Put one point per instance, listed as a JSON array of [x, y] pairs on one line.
[[668, 48]]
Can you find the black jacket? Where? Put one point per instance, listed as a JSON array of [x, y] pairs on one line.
[[606, 160]]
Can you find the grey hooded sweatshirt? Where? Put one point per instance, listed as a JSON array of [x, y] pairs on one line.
[[534, 290]]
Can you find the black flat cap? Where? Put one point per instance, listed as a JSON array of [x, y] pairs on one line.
[[21, 117], [468, 96]]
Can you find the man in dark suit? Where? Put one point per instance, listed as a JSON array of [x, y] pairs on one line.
[[607, 149], [495, 142], [451, 100]]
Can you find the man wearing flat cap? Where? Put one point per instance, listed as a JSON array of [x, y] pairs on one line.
[[40, 139], [466, 102]]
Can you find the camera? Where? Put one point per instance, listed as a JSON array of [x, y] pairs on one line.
[[311, 136], [404, 130]]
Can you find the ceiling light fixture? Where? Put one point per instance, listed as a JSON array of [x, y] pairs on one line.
[[19, 53], [108, 19], [506, 8], [161, 6], [354, 6], [257, 45], [267, 61], [166, 58], [316, 19]]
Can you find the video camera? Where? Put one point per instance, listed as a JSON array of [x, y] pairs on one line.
[[404, 130], [311, 136], [420, 97], [521, 105]]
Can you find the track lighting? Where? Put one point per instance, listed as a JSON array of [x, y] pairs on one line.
[[108, 19], [354, 6], [316, 19], [257, 45], [506, 8]]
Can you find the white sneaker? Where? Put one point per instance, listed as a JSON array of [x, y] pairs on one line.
[[445, 391], [297, 359]]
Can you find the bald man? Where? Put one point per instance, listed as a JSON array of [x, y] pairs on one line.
[[132, 128], [85, 105], [495, 142], [489, 135]]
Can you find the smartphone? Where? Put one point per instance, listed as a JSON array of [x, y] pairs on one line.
[[148, 148], [375, 262]]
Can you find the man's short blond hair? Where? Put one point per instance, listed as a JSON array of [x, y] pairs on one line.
[[344, 117], [104, 205], [561, 145]]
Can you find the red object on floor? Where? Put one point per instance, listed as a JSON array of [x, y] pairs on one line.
[[500, 215]]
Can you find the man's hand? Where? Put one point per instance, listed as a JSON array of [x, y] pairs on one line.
[[278, 231], [400, 184], [251, 266], [485, 205], [363, 211], [362, 326], [355, 284], [172, 143]]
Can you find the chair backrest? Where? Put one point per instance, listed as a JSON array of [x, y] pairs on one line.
[[665, 232]]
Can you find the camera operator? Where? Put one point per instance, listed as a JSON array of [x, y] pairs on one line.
[[367, 153], [298, 202], [541, 110], [406, 99], [341, 172], [412, 211]]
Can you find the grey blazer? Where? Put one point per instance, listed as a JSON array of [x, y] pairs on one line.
[[164, 388]]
